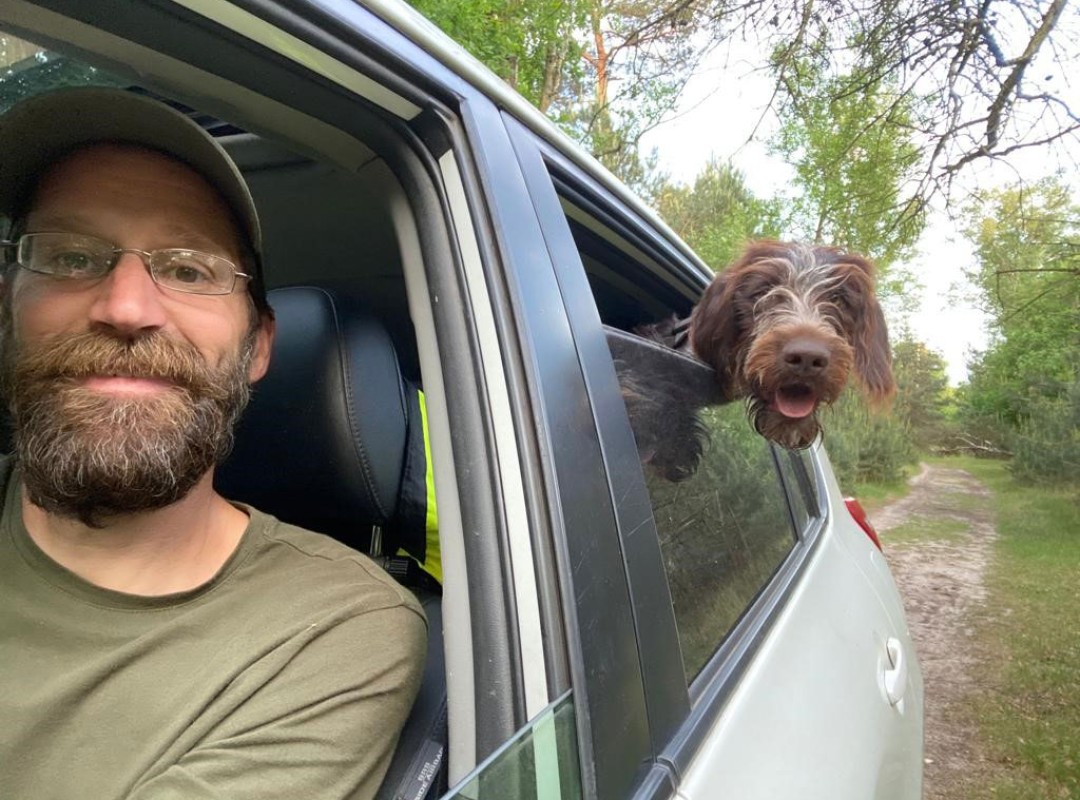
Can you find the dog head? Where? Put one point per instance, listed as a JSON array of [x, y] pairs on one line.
[[784, 326]]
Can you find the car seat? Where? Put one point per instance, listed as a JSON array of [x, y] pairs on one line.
[[324, 445]]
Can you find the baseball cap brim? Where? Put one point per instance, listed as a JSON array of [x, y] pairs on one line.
[[40, 130]]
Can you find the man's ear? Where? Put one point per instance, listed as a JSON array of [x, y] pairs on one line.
[[264, 343]]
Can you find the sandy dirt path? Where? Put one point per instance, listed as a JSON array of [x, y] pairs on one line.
[[942, 581]]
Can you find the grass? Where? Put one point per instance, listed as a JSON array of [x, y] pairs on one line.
[[874, 496], [1028, 710], [919, 529], [964, 503]]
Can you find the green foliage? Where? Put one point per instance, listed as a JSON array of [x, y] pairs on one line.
[[605, 70], [875, 495], [1046, 445], [530, 45], [983, 77], [637, 56], [1022, 391], [849, 137], [865, 445], [922, 393], [612, 148], [718, 214]]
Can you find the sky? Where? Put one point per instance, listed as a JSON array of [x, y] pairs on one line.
[[716, 117]]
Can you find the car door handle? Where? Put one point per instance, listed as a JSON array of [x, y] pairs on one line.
[[896, 671]]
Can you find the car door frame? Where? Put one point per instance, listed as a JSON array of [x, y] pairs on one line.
[[357, 42]]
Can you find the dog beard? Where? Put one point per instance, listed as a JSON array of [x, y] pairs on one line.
[[91, 455], [793, 434]]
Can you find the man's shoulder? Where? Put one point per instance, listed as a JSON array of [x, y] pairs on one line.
[[321, 564]]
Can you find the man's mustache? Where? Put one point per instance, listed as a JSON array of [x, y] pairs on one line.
[[155, 356]]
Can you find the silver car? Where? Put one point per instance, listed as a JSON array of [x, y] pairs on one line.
[[599, 631]]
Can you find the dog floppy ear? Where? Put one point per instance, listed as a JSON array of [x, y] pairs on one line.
[[864, 323], [873, 356], [715, 332], [722, 322]]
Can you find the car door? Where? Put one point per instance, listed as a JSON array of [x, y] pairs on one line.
[[786, 686]]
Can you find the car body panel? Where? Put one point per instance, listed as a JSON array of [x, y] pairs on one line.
[[810, 717]]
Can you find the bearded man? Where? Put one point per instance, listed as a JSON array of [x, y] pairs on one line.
[[157, 640]]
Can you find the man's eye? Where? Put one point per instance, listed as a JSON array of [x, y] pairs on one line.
[[186, 270], [190, 273], [72, 263]]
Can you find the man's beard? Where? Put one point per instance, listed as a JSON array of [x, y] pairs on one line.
[[92, 455]]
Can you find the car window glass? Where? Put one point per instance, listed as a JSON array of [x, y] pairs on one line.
[[719, 505], [27, 69], [724, 531], [539, 762]]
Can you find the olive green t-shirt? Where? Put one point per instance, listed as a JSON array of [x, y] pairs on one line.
[[287, 675]]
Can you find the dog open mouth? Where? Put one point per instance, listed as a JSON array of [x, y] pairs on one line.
[[795, 401]]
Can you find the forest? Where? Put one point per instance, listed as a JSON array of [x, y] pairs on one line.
[[887, 112]]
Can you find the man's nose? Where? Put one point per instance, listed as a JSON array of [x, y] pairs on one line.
[[128, 300]]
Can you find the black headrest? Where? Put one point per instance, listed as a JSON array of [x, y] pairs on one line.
[[323, 443]]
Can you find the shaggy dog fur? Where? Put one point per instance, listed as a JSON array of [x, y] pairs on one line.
[[783, 327]]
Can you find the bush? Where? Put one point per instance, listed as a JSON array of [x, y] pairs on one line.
[[1046, 445], [866, 446]]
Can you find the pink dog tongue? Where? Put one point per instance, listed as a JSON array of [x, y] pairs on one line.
[[795, 405]]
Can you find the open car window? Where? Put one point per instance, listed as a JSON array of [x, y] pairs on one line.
[[721, 510], [334, 215]]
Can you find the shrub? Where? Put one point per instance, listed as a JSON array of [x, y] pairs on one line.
[[1046, 444], [866, 446]]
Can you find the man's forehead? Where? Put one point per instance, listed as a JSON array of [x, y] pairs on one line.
[[103, 183], [47, 221], [134, 163]]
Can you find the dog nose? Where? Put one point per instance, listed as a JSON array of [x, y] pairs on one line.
[[805, 356]]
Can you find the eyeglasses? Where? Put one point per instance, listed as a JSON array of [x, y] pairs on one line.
[[73, 256]]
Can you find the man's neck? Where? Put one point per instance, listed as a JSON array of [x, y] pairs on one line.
[[164, 551]]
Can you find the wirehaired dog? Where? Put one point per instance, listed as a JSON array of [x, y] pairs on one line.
[[784, 327]]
